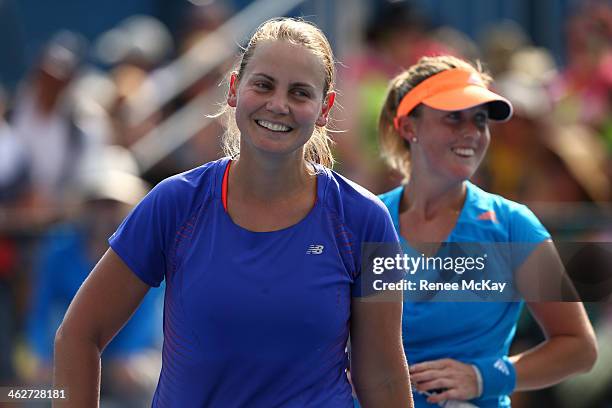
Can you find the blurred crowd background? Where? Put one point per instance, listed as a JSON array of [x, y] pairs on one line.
[[99, 101]]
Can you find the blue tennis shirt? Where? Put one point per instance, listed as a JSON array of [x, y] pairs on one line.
[[252, 319], [478, 333]]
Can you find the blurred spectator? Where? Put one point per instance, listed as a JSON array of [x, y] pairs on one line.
[[108, 188], [499, 42], [8, 313], [13, 176], [204, 144], [13, 161], [535, 64], [92, 96], [202, 19], [582, 90], [457, 42], [396, 36], [531, 150], [606, 125], [134, 50], [44, 120], [190, 85]]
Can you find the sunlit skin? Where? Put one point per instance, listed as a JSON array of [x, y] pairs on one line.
[[282, 85], [443, 136], [446, 149]]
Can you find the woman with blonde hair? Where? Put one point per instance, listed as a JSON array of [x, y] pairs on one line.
[[260, 255], [434, 128]]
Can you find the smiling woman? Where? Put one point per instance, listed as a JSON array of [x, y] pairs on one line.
[[260, 255], [434, 129], [279, 108], [318, 77]]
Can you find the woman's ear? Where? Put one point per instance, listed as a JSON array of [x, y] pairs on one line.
[[327, 105], [232, 95], [407, 128]]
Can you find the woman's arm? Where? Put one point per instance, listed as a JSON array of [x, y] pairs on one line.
[[103, 304], [570, 346], [379, 371]]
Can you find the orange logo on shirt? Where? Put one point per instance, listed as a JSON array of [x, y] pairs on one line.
[[489, 215]]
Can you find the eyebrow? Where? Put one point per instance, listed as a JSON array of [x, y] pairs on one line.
[[269, 78]]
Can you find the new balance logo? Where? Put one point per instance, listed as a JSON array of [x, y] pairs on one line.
[[501, 366], [314, 250]]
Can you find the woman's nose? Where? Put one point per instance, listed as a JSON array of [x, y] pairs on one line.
[[471, 129], [278, 103]]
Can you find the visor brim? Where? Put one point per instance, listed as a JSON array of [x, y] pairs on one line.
[[500, 109]]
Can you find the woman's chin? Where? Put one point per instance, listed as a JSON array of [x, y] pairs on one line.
[[275, 148], [462, 174]]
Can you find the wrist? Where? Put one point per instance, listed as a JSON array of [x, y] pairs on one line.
[[478, 375], [497, 374]]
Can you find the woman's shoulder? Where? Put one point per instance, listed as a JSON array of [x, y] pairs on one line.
[[184, 193], [354, 198], [487, 201], [356, 208], [514, 217], [392, 198], [196, 177], [197, 183], [360, 210]]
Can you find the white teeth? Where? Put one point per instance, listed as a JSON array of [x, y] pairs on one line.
[[467, 152], [275, 127]]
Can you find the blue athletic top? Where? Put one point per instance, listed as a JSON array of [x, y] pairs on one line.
[[252, 319], [479, 333]]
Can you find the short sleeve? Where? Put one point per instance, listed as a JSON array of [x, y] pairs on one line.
[[378, 243], [526, 233], [141, 239], [526, 227]]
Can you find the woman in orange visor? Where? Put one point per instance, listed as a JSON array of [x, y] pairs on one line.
[[434, 128]]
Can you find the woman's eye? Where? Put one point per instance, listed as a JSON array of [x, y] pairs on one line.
[[454, 116], [262, 85], [301, 93], [482, 118]]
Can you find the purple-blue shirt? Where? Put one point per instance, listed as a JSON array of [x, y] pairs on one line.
[[257, 319]]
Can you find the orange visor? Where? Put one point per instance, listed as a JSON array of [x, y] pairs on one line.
[[453, 90]]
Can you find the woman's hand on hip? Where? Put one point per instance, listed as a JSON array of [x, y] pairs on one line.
[[451, 379]]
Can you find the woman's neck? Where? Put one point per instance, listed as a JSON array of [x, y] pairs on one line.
[[263, 179], [428, 199]]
